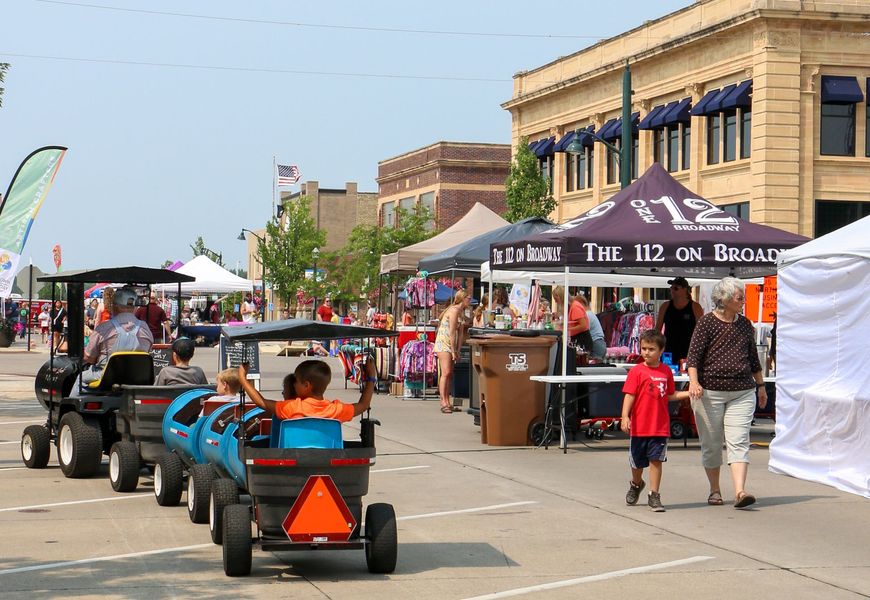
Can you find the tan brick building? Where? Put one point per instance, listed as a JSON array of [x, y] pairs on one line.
[[759, 106], [446, 177]]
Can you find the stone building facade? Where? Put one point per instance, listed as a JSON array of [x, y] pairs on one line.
[[447, 178], [759, 106]]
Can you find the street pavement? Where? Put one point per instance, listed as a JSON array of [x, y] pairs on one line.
[[474, 521]]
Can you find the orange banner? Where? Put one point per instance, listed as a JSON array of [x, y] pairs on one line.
[[753, 296]]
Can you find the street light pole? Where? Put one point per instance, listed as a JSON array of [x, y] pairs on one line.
[[263, 265], [315, 254]]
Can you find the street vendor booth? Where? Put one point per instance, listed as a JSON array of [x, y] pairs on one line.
[[823, 384], [653, 228]]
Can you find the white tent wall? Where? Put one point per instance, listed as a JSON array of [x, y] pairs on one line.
[[823, 380], [210, 278]]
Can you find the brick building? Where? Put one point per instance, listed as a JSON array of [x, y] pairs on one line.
[[759, 106], [447, 178]]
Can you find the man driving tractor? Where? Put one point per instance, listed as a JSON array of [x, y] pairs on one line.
[[123, 332]]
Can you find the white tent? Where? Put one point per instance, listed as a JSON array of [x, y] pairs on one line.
[[823, 383], [478, 220], [210, 277]]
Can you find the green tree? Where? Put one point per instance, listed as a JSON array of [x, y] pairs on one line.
[[200, 249], [527, 191], [288, 251], [3, 68]]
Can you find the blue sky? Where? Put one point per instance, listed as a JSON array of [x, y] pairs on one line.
[[160, 154]]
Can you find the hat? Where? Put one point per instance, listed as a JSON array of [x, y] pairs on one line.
[[125, 297], [680, 281]]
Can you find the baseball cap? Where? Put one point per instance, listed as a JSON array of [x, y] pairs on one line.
[[125, 297], [680, 281]]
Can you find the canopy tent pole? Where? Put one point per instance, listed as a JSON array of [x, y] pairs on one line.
[[29, 318], [563, 439]]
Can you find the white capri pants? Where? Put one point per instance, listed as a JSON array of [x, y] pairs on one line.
[[724, 417]]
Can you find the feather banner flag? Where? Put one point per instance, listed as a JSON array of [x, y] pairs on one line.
[[20, 206]]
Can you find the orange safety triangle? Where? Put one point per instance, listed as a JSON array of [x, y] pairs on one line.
[[319, 513]]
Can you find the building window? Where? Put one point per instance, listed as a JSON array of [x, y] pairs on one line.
[[635, 153], [659, 146], [570, 171], [745, 133], [739, 210], [427, 201], [546, 166], [590, 168], [388, 214], [673, 134], [838, 130], [832, 214], [668, 142], [713, 139], [613, 161], [729, 135], [581, 168], [687, 146]]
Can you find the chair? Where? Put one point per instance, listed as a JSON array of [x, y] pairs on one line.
[[124, 368], [308, 432]]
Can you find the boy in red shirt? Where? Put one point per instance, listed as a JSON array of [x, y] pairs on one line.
[[645, 417], [309, 382]]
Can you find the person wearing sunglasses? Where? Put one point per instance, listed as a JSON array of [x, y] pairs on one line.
[[677, 319]]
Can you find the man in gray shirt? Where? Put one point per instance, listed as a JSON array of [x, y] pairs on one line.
[[181, 372]]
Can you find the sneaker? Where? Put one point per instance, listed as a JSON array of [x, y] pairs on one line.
[[655, 502], [633, 492]]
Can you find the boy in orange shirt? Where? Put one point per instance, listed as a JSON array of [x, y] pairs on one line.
[[309, 382]]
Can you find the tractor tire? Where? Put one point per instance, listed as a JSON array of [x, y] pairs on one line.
[[237, 540], [199, 479], [79, 445], [382, 545], [224, 492], [124, 466], [35, 446], [168, 479]]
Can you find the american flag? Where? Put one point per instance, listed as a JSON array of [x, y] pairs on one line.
[[288, 174]]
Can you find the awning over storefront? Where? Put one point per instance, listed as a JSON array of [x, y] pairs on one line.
[[700, 108], [679, 113], [740, 97], [564, 141], [646, 122], [715, 105], [838, 89], [615, 130], [545, 147], [659, 120]]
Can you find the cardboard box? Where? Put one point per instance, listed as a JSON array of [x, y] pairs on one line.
[[396, 388]]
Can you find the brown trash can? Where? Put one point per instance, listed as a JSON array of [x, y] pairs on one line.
[[509, 401]]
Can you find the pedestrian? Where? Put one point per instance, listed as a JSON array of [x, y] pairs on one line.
[[578, 321], [370, 314], [677, 319], [645, 417], [724, 377], [154, 315], [58, 318], [479, 313], [324, 311], [599, 346], [249, 309], [104, 310], [44, 322], [447, 344]]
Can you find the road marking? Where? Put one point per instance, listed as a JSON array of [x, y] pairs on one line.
[[602, 577], [12, 468], [84, 561], [124, 497], [18, 442], [382, 470], [21, 422], [466, 510]]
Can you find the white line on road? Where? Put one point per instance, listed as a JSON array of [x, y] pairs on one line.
[[390, 470], [84, 561], [16, 442], [466, 510], [21, 422], [12, 468], [124, 497], [603, 576]]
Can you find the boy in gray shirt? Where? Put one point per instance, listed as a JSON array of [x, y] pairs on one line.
[[181, 372]]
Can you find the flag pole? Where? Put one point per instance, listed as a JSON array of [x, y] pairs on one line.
[[274, 181]]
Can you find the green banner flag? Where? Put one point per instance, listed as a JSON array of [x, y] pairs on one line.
[[20, 206]]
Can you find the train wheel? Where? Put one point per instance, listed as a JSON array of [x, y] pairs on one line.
[[198, 491], [35, 446], [237, 540], [382, 545], [224, 492], [124, 466], [168, 480], [79, 445]]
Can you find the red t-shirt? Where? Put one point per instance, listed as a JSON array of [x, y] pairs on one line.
[[296, 408], [576, 312], [325, 313], [154, 316], [650, 388]]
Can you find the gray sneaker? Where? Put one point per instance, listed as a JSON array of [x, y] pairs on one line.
[[655, 502], [633, 493]]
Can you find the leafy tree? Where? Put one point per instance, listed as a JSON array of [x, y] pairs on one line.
[[168, 263], [3, 68], [200, 249], [288, 251], [527, 191]]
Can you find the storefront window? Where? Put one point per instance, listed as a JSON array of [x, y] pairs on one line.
[[713, 139], [427, 201], [590, 167], [687, 146], [546, 165], [673, 134], [833, 214], [838, 130], [738, 209], [612, 162], [570, 172], [745, 133], [729, 136], [659, 146], [388, 214], [635, 149]]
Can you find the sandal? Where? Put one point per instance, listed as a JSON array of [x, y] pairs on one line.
[[715, 499], [744, 499], [447, 410]]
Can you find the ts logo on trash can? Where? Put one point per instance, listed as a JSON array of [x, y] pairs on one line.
[[518, 362]]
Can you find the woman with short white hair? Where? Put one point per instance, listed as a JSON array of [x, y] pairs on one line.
[[724, 374]]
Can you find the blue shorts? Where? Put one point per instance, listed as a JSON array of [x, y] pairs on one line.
[[645, 449]]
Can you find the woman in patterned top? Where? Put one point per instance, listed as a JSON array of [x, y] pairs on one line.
[[724, 374]]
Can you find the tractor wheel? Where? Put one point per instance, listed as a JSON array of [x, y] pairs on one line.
[[198, 491], [237, 540], [168, 479], [35, 446], [124, 466], [678, 430], [79, 445], [382, 544], [224, 492]]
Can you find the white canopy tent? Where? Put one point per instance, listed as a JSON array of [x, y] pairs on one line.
[[210, 277], [823, 384], [478, 220]]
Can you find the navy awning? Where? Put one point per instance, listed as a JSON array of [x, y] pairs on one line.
[[563, 143], [605, 130], [715, 105], [840, 90], [615, 131], [588, 140], [545, 147], [700, 108], [645, 122], [679, 113], [659, 119], [739, 97]]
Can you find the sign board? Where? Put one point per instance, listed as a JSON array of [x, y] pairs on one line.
[[233, 354], [161, 354], [319, 513], [767, 297], [518, 362]]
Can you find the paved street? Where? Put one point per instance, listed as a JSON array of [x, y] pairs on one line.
[[474, 521]]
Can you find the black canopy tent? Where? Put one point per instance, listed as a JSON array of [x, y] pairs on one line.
[[301, 329]]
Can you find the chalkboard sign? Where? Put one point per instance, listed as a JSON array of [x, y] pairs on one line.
[[161, 354], [233, 354]]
